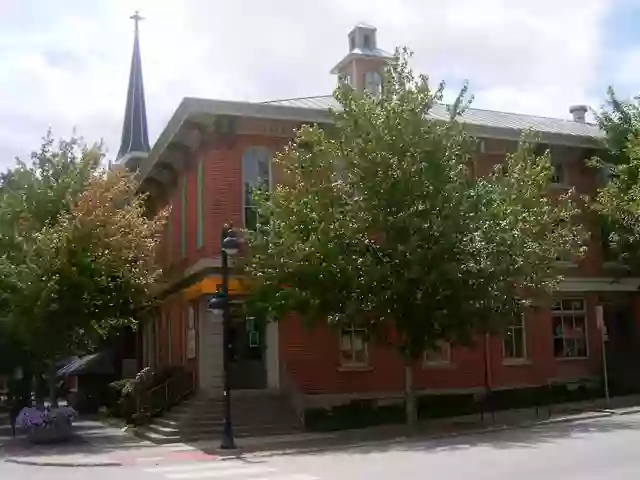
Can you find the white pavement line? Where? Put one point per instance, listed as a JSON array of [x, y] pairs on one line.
[[149, 459], [230, 472], [180, 447], [292, 476], [177, 467]]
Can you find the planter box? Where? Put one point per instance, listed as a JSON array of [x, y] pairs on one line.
[[59, 431]]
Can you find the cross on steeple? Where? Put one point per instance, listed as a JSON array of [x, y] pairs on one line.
[[136, 17]]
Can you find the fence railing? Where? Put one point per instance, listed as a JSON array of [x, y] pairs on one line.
[[162, 397]]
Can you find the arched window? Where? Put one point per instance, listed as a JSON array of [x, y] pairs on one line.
[[256, 173]]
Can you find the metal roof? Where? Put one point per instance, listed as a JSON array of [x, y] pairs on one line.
[[474, 116]]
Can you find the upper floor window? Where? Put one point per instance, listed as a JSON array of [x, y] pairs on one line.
[[441, 355], [256, 173], [515, 339], [559, 175], [373, 82]]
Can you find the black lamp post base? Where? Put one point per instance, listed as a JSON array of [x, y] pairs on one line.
[[228, 443]]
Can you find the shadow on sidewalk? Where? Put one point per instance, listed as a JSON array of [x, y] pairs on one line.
[[519, 437], [464, 437], [90, 437]]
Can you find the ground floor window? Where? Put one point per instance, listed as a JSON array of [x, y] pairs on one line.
[[515, 339], [353, 346], [569, 319]]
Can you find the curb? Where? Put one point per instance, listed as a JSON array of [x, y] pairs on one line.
[[62, 463], [226, 455]]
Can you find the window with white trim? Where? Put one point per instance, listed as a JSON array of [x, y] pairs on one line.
[[256, 173], [569, 317], [440, 355], [353, 347], [514, 343]]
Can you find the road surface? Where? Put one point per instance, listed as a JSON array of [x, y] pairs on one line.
[[596, 449]]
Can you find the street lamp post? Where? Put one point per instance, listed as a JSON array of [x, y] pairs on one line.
[[220, 303]]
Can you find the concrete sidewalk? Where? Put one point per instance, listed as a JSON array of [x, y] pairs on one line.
[[93, 444], [430, 429]]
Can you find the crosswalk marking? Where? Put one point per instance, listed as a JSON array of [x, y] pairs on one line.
[[230, 472], [292, 476], [230, 469], [216, 464]]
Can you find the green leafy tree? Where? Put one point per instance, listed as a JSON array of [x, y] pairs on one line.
[[618, 199], [381, 223], [79, 252]]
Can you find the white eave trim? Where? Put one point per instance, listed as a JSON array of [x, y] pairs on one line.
[[190, 107], [599, 284]]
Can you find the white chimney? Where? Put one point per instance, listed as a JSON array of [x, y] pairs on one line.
[[579, 113]]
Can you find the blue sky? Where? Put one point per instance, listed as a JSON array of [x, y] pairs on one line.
[[65, 62]]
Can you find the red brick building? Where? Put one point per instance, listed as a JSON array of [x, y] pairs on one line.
[[204, 163]]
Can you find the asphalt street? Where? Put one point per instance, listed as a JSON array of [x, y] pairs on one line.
[[595, 449]]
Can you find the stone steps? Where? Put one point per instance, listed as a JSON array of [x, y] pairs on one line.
[[259, 414]]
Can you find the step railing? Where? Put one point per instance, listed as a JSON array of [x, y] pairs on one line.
[[162, 397]]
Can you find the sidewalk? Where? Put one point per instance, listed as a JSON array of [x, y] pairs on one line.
[[430, 429], [100, 444], [92, 445]]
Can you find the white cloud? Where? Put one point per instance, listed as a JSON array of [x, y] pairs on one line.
[[71, 69]]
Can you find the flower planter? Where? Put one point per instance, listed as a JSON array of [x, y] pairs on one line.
[[58, 431], [48, 425]]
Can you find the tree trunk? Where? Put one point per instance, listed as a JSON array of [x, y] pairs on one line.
[[53, 387], [410, 403]]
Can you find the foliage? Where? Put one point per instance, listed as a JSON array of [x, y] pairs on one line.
[[380, 222], [618, 200], [78, 251]]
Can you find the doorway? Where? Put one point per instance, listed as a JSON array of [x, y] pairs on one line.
[[248, 346]]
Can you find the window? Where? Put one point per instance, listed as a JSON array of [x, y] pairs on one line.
[[200, 205], [441, 355], [373, 82], [183, 217], [353, 347], [345, 79], [515, 339], [256, 173], [569, 328], [558, 175], [367, 42]]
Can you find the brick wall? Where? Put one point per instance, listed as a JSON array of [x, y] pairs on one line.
[[312, 357]]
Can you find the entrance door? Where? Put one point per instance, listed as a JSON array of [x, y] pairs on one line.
[[248, 368]]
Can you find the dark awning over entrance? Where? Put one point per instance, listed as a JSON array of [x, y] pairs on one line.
[[96, 363]]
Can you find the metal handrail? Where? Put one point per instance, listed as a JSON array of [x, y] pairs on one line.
[[165, 395]]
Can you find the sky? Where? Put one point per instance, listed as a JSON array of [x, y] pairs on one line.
[[64, 63]]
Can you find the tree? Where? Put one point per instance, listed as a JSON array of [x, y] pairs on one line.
[[79, 252], [380, 223], [618, 199]]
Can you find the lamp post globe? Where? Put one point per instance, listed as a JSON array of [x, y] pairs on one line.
[[231, 243]]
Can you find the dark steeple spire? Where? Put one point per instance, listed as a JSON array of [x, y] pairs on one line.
[[135, 138]]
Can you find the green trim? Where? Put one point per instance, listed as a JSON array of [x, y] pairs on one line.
[[200, 205], [183, 219]]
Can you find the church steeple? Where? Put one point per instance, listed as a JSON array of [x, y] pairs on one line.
[[135, 137]]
